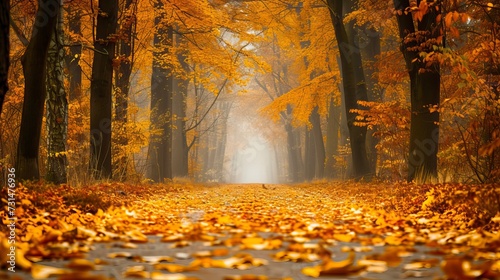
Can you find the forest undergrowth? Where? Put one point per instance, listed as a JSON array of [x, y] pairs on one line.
[[458, 223]]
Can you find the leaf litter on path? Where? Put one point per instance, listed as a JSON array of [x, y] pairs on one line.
[[318, 230]]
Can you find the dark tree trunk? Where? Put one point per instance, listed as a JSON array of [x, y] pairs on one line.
[[4, 50], [292, 164], [424, 91], [296, 170], [122, 79], [57, 109], [344, 138], [309, 155], [319, 145], [160, 145], [75, 53], [332, 138], [370, 51], [101, 90], [180, 150], [354, 90], [179, 141], [205, 158], [34, 68]]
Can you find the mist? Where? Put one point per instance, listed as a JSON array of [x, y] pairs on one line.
[[254, 162]]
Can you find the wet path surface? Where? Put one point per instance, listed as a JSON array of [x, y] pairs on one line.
[[262, 232], [119, 267]]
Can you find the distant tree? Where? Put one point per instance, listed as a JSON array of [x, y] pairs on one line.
[[101, 90], [4, 49], [34, 63]]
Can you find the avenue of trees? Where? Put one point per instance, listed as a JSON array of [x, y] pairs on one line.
[[358, 89]]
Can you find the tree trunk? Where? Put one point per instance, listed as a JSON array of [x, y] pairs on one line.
[[205, 158], [122, 79], [57, 109], [212, 148], [309, 155], [424, 91], [332, 138], [34, 68], [347, 170], [75, 53], [220, 151], [179, 144], [4, 50], [354, 90], [292, 171], [160, 145], [319, 145], [295, 170], [101, 90], [179, 141], [370, 52], [180, 149]]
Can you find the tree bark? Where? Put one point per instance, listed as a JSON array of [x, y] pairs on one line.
[[34, 63], [424, 91], [180, 150], [4, 50], [295, 170], [370, 53], [332, 138], [75, 53], [57, 109], [179, 141], [319, 145], [354, 90], [309, 155], [220, 151], [160, 145], [212, 148], [101, 90], [122, 79]]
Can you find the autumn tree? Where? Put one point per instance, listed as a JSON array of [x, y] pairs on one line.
[[160, 145], [74, 16], [275, 85], [332, 137], [353, 82], [314, 146], [101, 90], [125, 56], [301, 79], [4, 49], [367, 17], [180, 147], [486, 167], [471, 75], [56, 108], [420, 32], [34, 68], [215, 136], [79, 33]]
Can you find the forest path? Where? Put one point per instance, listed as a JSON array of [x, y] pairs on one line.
[[262, 232]]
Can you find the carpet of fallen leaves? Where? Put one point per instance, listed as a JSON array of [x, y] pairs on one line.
[[321, 229]]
